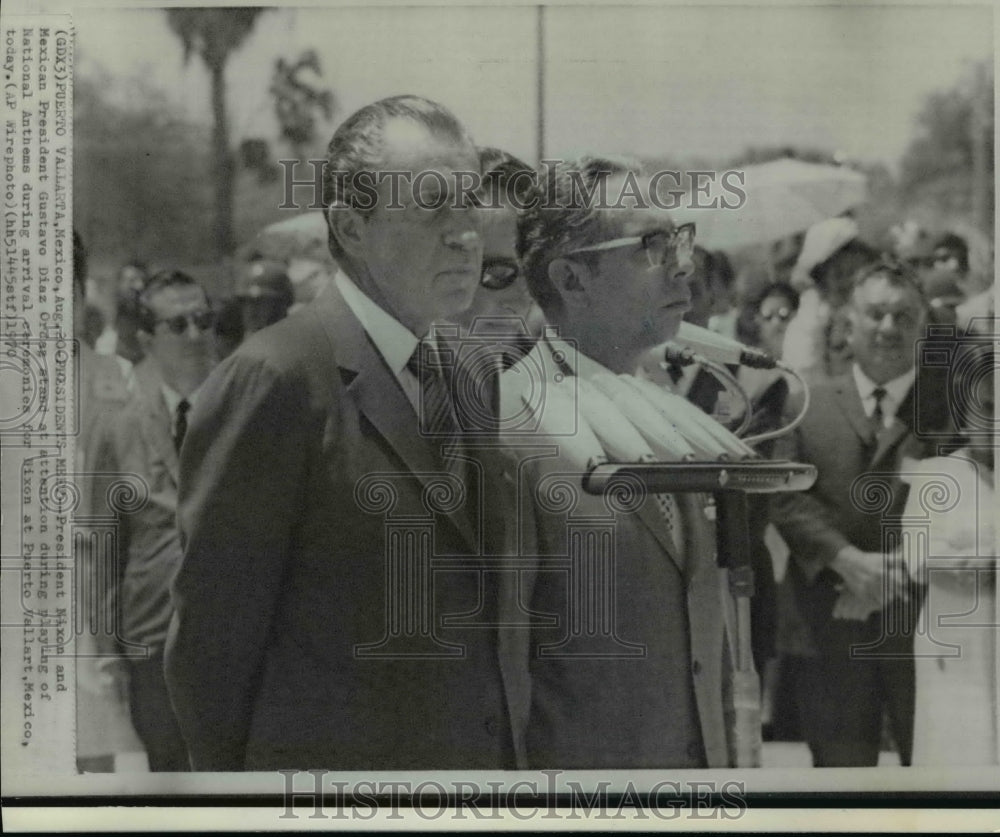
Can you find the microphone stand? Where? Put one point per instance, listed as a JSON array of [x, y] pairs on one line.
[[729, 483]]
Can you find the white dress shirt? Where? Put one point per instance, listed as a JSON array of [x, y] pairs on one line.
[[172, 398], [394, 341], [895, 392]]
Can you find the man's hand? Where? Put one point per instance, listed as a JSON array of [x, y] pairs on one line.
[[104, 677], [849, 606], [871, 577]]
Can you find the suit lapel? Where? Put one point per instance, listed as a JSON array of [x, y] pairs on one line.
[[889, 438], [157, 422], [378, 394], [849, 401]]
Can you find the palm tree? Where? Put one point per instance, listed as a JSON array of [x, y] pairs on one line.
[[214, 33]]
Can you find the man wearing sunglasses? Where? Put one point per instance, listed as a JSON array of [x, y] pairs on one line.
[[175, 330], [612, 280]]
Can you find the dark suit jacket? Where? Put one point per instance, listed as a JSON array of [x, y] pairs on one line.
[[302, 467], [667, 702], [836, 436]]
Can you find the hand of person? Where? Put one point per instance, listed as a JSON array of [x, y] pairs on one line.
[[103, 677], [871, 576], [850, 606]]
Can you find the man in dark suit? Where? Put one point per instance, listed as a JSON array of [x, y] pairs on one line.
[[848, 585], [633, 669], [175, 331], [309, 494]]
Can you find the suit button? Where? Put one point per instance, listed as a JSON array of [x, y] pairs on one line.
[[491, 727], [696, 668]]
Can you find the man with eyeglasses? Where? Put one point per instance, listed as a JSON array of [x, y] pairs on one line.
[[611, 280], [854, 597], [318, 480], [175, 331]]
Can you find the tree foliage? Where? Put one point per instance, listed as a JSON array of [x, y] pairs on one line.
[[213, 34]]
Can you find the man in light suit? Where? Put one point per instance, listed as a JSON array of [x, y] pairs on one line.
[[302, 473], [655, 694], [853, 596], [175, 331]]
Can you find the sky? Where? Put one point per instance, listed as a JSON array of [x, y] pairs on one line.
[[652, 81]]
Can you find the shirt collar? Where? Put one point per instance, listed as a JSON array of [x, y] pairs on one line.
[[172, 397], [895, 390], [394, 341]]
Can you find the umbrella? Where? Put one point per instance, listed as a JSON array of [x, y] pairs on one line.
[[301, 243], [783, 197]]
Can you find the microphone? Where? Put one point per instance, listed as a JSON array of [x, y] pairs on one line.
[[692, 341]]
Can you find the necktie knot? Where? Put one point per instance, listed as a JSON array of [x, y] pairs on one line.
[[435, 410]]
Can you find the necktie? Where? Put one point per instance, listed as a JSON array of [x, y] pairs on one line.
[[878, 415], [435, 411], [180, 423], [670, 512]]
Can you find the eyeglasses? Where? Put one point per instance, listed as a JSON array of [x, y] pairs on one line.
[[782, 314], [659, 244], [203, 320], [499, 273]]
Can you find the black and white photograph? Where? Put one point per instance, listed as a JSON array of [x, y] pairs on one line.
[[579, 408]]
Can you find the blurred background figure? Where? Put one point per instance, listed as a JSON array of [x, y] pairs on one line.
[[265, 294], [911, 243], [955, 720], [763, 323], [121, 337], [104, 733], [502, 301], [945, 278], [721, 278], [176, 331], [831, 255]]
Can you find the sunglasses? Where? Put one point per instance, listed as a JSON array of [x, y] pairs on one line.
[[203, 320], [782, 314], [499, 273], [659, 245]]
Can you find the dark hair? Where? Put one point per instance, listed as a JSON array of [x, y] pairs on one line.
[[717, 264], [503, 172], [79, 264], [957, 247], [896, 273], [747, 327], [565, 219], [356, 147], [156, 283], [782, 289]]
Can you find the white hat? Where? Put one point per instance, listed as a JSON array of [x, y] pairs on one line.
[[822, 241]]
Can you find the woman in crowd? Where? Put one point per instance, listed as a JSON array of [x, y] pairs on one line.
[[950, 545]]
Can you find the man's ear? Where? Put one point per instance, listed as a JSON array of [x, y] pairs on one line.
[[347, 227], [569, 278]]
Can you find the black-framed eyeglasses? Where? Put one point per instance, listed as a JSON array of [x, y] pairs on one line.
[[499, 273], [203, 321], [659, 245]]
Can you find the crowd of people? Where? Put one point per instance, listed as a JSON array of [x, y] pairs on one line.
[[303, 468]]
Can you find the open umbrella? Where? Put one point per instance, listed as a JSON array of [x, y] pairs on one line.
[[783, 197]]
